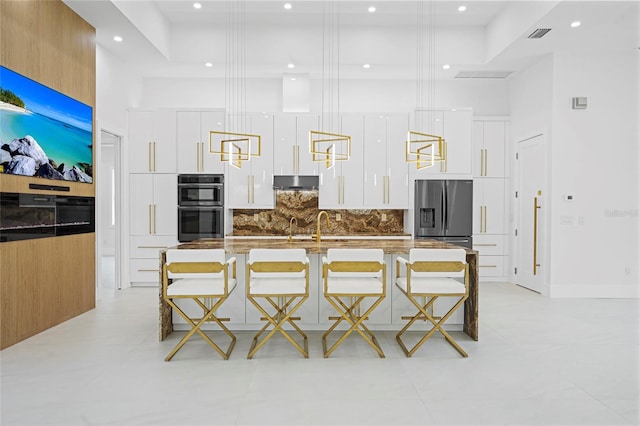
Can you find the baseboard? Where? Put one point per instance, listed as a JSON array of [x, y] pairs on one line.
[[577, 291]]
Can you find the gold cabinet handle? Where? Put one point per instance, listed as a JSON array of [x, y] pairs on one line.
[[343, 187], [536, 265], [486, 163], [202, 157], [197, 156], [149, 156], [152, 247], [155, 219], [154, 156], [487, 266], [248, 189], [148, 270], [482, 162], [485, 245], [293, 158], [253, 189], [150, 219], [298, 159], [485, 219]]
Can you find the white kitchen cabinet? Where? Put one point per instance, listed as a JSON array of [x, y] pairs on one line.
[[291, 144], [492, 254], [153, 204], [144, 258], [386, 173], [193, 150], [489, 206], [341, 185], [455, 126], [251, 185], [152, 141], [489, 141]]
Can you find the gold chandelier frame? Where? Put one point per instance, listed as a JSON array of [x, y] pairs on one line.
[[322, 146], [235, 148]]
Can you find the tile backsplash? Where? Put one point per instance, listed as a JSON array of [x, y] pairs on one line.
[[303, 206]]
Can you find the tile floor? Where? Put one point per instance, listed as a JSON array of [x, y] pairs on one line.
[[539, 361]]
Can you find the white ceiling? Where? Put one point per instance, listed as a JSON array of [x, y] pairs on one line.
[[170, 38]]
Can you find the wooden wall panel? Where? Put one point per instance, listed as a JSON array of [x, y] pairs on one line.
[[46, 281], [47, 42]]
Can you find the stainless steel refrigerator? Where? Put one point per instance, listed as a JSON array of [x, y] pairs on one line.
[[443, 211]]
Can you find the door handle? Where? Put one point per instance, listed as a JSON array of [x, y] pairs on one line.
[[536, 265], [155, 220], [150, 219], [197, 156], [149, 156], [154, 156]]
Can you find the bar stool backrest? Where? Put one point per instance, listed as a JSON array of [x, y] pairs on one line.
[[437, 255], [355, 255], [195, 255], [277, 255]]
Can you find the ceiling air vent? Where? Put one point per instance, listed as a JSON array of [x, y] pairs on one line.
[[483, 74], [539, 33]]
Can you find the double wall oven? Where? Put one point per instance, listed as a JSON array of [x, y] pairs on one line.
[[200, 207]]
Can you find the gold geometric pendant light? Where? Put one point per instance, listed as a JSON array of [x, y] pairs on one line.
[[237, 146], [425, 149], [327, 145]]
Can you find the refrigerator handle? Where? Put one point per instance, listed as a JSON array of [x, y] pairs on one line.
[[445, 218]]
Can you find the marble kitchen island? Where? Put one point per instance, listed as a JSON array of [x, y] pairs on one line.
[[315, 311]]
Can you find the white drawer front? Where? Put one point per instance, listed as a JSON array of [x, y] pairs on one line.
[[145, 271], [150, 247], [491, 266], [489, 245]]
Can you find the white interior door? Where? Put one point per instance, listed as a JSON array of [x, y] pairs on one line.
[[108, 195], [531, 238]]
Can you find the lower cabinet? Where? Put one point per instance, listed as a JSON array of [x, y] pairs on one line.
[[315, 312], [492, 257], [144, 258]]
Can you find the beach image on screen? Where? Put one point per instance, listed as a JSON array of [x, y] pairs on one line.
[[43, 133]]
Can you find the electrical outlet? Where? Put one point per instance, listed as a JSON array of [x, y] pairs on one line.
[[256, 217], [338, 217], [383, 217]]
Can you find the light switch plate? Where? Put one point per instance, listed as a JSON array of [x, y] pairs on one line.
[[383, 217], [338, 217]]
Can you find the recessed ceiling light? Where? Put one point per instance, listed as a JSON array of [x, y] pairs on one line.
[[575, 24], [371, 9], [462, 8], [367, 66], [287, 6], [446, 66], [293, 79], [291, 66], [197, 6], [208, 64], [117, 38]]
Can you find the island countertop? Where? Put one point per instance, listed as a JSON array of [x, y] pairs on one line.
[[390, 246]]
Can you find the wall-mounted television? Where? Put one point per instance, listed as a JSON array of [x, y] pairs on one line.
[[43, 133]]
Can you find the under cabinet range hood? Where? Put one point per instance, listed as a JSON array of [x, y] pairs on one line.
[[296, 182]]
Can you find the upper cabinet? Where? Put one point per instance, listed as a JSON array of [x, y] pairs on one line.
[[291, 154], [489, 141], [194, 154], [455, 126], [341, 185], [152, 141], [386, 173], [251, 186]]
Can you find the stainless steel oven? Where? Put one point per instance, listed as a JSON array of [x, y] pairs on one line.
[[195, 223], [200, 207], [200, 190]]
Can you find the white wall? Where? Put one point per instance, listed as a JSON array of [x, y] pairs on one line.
[[593, 155], [595, 159], [485, 97], [117, 89]]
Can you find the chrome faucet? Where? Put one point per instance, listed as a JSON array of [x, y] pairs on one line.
[[316, 236], [293, 219]]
